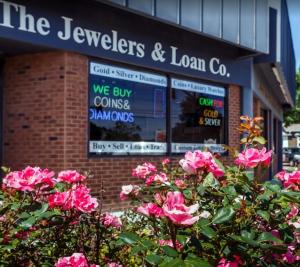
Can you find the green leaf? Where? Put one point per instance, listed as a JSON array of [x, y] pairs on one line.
[[230, 190], [201, 189], [267, 236], [39, 213], [211, 181], [28, 223], [129, 238], [136, 249], [259, 139], [264, 214], [223, 215], [170, 251], [196, 263], [249, 235], [273, 186], [188, 194], [245, 239], [172, 263], [147, 243], [207, 230], [24, 215], [154, 259]]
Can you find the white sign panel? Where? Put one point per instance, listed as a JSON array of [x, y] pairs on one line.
[[127, 148], [197, 87], [126, 74], [184, 147]]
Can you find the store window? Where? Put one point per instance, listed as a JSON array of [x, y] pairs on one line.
[[127, 111], [197, 116]]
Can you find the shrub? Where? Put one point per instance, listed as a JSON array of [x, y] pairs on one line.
[[201, 213], [197, 213]]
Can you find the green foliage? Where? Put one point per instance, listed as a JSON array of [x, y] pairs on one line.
[[293, 116]]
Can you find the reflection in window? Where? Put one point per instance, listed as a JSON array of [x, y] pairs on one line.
[[197, 118]]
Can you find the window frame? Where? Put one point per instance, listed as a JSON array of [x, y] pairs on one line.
[[169, 76]]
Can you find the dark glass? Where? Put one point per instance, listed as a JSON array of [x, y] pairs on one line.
[[138, 114], [197, 118]]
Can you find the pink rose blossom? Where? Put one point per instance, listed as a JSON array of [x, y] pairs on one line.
[[290, 180], [200, 160], [252, 157], [170, 244], [177, 212], [128, 190], [165, 161], [160, 178], [70, 177], [296, 224], [76, 260], [180, 183], [82, 200], [289, 256], [141, 171], [60, 199], [110, 220], [29, 178], [225, 263], [150, 209], [293, 212], [77, 197]]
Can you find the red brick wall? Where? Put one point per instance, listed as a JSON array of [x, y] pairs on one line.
[[33, 108], [48, 94]]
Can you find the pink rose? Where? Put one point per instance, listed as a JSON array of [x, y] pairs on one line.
[[200, 160], [29, 179], [128, 190], [170, 244], [160, 178], [177, 212], [141, 171], [77, 197], [290, 180], [109, 220], [70, 177], [296, 224], [225, 263], [76, 260], [150, 209], [165, 161], [289, 256], [252, 157], [60, 199], [293, 212], [180, 184], [82, 200]]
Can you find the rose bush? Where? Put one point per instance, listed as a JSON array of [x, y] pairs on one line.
[[202, 213], [189, 212], [44, 219]]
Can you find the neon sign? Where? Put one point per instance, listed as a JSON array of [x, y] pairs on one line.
[[111, 115], [209, 102]]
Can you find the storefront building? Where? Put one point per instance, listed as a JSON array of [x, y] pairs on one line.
[[101, 86]]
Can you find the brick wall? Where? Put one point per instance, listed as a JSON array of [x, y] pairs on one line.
[[46, 121], [33, 108]]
